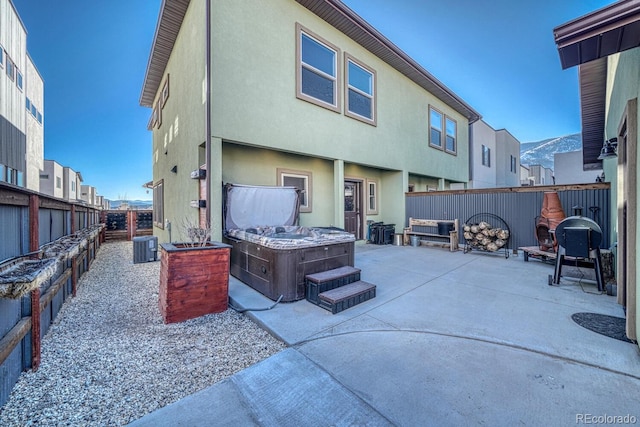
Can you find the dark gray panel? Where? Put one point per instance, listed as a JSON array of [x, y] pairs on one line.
[[13, 230], [518, 209]]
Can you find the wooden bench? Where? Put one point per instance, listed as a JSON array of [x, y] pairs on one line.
[[418, 227]]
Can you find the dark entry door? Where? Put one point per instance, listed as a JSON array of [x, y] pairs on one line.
[[352, 212]]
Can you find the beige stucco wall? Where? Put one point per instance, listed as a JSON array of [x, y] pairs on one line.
[[258, 124], [623, 84], [263, 110], [177, 140], [259, 108]]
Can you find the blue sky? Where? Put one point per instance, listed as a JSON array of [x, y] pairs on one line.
[[497, 55]]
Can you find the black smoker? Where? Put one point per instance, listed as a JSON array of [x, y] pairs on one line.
[[579, 237]]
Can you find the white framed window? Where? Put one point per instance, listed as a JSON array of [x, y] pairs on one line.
[[317, 77], [360, 91], [435, 128], [39, 117], [165, 91], [486, 156], [451, 130], [302, 181], [2, 55], [372, 197], [158, 204], [58, 182], [28, 104], [19, 79]]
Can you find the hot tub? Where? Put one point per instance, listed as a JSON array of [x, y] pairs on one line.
[[268, 251]]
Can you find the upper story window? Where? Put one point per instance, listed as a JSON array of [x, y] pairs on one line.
[[1, 57], [435, 127], [34, 111], [513, 164], [58, 182], [28, 104], [39, 117], [360, 91], [486, 156], [19, 79], [11, 69], [451, 129], [317, 78]]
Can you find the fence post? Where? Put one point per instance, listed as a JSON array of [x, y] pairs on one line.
[[34, 245]]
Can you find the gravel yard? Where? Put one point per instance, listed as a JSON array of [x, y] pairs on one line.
[[108, 358]]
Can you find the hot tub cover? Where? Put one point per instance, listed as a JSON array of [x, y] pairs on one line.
[[259, 206], [268, 216]]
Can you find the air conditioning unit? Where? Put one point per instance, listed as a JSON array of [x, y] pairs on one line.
[[145, 249]]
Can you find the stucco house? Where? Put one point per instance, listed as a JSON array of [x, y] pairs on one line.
[[494, 157], [302, 93], [604, 45]]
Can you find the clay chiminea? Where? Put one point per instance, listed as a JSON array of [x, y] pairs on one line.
[[551, 215]]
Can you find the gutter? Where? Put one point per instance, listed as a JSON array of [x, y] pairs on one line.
[[207, 121]]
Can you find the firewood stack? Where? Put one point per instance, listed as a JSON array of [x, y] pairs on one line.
[[485, 236]]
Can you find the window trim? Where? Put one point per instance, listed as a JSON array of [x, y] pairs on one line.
[[300, 30], [11, 69], [165, 91], [455, 136], [376, 192], [488, 163], [158, 204], [282, 172], [374, 105], [442, 130]]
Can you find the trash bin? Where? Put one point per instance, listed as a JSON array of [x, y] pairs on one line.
[[415, 240], [386, 234]]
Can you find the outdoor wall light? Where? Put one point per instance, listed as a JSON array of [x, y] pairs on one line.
[[609, 149], [174, 169]]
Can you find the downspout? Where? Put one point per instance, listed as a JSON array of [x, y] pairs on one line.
[[207, 122]]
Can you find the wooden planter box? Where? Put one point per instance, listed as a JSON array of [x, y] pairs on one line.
[[194, 281]]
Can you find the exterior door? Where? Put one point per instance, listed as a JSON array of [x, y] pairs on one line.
[[352, 210]]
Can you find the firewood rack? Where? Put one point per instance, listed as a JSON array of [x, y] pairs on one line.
[[497, 234]]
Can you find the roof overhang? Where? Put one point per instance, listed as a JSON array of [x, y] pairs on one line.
[[169, 22], [586, 42], [332, 11], [606, 31]]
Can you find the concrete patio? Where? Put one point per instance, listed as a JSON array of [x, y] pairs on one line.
[[450, 339]]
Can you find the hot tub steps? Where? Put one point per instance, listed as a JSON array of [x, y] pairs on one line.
[[344, 297], [331, 279]]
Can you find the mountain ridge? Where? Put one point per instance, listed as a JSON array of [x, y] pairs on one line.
[[542, 152]]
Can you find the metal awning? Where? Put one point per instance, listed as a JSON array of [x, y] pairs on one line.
[[606, 31], [586, 42]]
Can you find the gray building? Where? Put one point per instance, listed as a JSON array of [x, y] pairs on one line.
[[21, 105]]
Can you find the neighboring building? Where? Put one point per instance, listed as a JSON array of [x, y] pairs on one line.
[[495, 157], [482, 169], [71, 182], [21, 120], [507, 159], [568, 169], [34, 102], [88, 194], [540, 175], [310, 96], [526, 180], [604, 45], [52, 179]]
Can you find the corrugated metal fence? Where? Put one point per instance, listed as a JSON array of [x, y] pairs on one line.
[[517, 206]]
